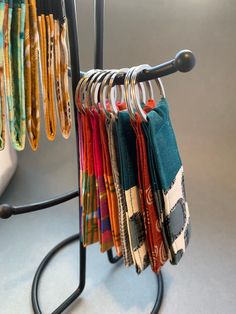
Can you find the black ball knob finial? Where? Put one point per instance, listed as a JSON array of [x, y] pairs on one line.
[[185, 61], [5, 211]]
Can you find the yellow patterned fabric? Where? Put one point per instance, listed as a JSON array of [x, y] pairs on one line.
[[46, 36], [43, 62], [61, 77], [57, 55], [50, 110], [64, 63]]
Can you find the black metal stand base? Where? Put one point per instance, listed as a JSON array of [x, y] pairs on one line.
[[77, 293]]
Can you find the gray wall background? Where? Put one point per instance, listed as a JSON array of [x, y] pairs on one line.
[[203, 112]]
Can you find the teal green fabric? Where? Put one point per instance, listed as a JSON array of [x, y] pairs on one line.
[[126, 140], [167, 180], [127, 149], [167, 154], [18, 121]]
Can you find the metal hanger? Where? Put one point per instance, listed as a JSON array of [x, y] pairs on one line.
[[79, 92], [112, 99], [103, 91], [134, 97], [95, 90]]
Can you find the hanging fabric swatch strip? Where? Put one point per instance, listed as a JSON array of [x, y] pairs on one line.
[[34, 63]]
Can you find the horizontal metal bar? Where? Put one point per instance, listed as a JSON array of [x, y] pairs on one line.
[[184, 61], [6, 211]]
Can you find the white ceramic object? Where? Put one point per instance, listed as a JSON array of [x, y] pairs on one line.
[[8, 163]]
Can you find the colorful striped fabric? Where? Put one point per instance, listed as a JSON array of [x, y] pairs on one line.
[[90, 230], [106, 236], [110, 187], [82, 169]]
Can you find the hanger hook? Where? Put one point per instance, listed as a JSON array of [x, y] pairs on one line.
[[109, 92], [78, 98], [105, 83], [128, 98], [133, 83], [95, 89]]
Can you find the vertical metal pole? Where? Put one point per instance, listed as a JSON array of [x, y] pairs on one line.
[[75, 74], [71, 14], [99, 33]]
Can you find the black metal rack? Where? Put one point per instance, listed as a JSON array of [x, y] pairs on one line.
[[183, 62]]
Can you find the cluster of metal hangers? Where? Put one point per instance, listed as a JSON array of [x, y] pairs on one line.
[[96, 89]]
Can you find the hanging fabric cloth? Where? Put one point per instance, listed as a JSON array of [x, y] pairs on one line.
[[155, 244], [122, 206], [8, 66], [46, 35], [2, 92], [61, 68], [110, 188], [106, 237], [32, 74], [129, 181], [17, 114], [89, 214], [50, 113], [89, 211], [166, 163]]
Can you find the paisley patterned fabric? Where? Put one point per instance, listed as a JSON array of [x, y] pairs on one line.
[[64, 63], [57, 60], [50, 114], [154, 239]]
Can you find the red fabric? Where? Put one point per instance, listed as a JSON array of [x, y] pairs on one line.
[[89, 195], [154, 240], [105, 238], [110, 188]]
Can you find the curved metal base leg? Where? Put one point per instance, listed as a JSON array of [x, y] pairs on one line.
[[160, 293], [77, 293], [111, 258], [44, 264]]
